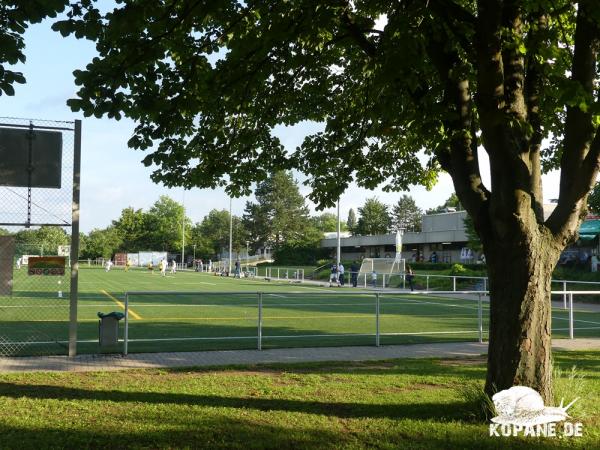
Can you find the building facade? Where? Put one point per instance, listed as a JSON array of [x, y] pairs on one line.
[[442, 234]]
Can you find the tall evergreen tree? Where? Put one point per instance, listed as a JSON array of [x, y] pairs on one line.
[[280, 214], [351, 222], [406, 215]]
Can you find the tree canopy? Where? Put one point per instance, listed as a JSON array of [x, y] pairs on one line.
[[374, 218], [15, 18]]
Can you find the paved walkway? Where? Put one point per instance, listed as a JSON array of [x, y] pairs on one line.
[[84, 363]]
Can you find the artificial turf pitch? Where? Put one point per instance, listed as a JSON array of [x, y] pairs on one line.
[[222, 313]]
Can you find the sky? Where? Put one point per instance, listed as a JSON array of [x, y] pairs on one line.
[[112, 175]]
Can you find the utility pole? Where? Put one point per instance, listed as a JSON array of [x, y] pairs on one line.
[[183, 234], [230, 235], [339, 256]]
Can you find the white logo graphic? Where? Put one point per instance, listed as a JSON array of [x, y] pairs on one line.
[[521, 410]]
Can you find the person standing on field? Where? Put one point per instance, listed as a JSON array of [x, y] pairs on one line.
[[173, 267], [163, 267], [354, 274], [410, 276], [341, 274]]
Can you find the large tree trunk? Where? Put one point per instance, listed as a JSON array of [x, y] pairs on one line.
[[520, 271]]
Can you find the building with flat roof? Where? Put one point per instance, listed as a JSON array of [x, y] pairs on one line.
[[442, 233]]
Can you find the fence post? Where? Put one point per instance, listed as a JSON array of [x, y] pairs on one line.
[[126, 336], [565, 295], [454, 283], [383, 282], [278, 273], [427, 278], [260, 297], [571, 316], [480, 319], [404, 280], [377, 319], [484, 284], [365, 280]]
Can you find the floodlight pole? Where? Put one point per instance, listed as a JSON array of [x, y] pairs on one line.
[[230, 235], [75, 241], [339, 256]]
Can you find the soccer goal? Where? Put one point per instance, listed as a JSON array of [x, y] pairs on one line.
[[381, 267]]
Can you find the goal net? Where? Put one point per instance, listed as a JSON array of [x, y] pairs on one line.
[[381, 267]]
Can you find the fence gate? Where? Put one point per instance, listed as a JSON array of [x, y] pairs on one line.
[[39, 236]]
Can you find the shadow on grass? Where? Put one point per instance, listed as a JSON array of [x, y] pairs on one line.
[[450, 410], [217, 432]]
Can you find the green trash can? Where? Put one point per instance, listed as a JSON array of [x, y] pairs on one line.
[[108, 330]]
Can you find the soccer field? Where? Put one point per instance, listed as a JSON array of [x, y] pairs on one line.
[[222, 313]]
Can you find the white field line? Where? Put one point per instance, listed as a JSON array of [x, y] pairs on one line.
[[577, 320]]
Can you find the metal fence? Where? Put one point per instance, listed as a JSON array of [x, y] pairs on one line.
[[185, 321], [176, 321], [38, 306], [281, 273]]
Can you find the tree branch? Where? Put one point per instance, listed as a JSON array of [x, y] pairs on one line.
[[533, 87], [579, 162], [368, 47]]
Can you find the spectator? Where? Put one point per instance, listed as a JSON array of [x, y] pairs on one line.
[[354, 273], [433, 257], [410, 276]]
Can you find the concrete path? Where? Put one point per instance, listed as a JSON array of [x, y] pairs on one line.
[[85, 363]]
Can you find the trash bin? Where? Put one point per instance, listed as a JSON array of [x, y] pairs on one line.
[[108, 329]]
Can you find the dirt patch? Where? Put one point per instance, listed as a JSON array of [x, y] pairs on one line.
[[457, 362]]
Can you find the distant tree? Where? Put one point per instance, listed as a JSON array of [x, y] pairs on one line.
[[43, 240], [102, 243], [133, 230], [164, 224], [4, 232], [351, 222], [594, 200], [280, 214], [327, 222], [474, 242], [213, 233], [374, 218], [406, 214], [452, 202]]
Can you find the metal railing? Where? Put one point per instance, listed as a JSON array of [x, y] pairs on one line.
[[285, 273], [378, 300], [375, 299]]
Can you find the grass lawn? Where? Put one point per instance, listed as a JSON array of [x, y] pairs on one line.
[[34, 320], [396, 404]]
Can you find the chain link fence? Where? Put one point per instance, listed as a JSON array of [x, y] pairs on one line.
[[37, 160]]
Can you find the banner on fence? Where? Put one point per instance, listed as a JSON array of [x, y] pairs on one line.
[[46, 265]]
